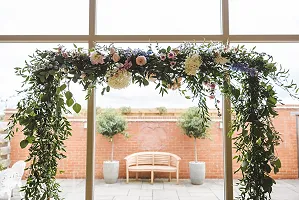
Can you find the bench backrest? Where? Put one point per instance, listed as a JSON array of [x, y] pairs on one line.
[[152, 158]]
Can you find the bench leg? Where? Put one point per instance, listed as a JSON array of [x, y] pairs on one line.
[[177, 177], [169, 179], [127, 176], [136, 176], [152, 177]]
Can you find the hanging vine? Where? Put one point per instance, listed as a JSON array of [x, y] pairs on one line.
[[190, 68]]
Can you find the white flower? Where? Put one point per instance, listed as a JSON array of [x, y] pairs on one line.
[[119, 80], [96, 58], [192, 64], [221, 60]]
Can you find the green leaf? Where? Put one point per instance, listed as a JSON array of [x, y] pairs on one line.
[[145, 82], [52, 72], [77, 107], [62, 87], [108, 88], [69, 102], [42, 79], [75, 46], [278, 163], [24, 144], [68, 95], [30, 139], [168, 48]]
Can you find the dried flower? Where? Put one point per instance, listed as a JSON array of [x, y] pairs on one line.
[[221, 60]]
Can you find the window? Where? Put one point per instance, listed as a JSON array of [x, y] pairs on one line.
[[48, 17], [264, 17], [156, 17]]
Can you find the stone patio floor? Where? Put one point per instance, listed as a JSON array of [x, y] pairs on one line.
[[212, 189]]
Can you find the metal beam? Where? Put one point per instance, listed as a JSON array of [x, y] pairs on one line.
[[91, 111]]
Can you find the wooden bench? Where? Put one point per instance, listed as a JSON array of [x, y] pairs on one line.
[[152, 162]]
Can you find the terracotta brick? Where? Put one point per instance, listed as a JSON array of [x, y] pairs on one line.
[[165, 136]]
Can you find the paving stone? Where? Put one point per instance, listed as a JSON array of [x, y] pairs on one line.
[[126, 198], [140, 192]]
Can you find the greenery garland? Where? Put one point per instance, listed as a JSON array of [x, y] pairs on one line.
[[189, 68]]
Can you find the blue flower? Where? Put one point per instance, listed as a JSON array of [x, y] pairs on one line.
[[242, 67]]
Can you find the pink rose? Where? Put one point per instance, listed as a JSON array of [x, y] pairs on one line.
[[172, 63], [212, 96], [115, 57], [171, 55], [141, 60], [112, 51], [162, 56]]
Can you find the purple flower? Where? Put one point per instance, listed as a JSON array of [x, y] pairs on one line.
[[243, 68], [127, 64]]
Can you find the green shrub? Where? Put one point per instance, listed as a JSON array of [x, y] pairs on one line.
[[125, 110], [162, 110], [194, 125], [110, 123]]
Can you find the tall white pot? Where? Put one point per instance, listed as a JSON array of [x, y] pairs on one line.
[[197, 172], [110, 171]]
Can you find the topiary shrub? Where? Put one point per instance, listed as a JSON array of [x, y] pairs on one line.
[[109, 123], [194, 125]]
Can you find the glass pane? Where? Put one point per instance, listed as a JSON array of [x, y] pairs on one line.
[[49, 17], [72, 180], [264, 17], [156, 17], [284, 54]]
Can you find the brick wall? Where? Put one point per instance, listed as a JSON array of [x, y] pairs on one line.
[[160, 133]]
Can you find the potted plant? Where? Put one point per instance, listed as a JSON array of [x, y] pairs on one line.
[[195, 125], [110, 123]]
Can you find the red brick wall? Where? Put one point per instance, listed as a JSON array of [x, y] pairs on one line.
[[165, 136]]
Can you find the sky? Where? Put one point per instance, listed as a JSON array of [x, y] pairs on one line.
[[134, 17]]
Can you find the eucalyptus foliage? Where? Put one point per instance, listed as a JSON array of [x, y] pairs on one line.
[[189, 68]]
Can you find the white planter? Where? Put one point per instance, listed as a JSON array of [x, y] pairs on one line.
[[197, 172], [110, 171]]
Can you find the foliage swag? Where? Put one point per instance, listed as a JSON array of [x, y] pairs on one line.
[[192, 69]]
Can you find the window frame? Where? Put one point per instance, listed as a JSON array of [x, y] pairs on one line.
[[225, 37]]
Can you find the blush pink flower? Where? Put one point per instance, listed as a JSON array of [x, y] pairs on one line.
[[172, 63], [96, 58], [171, 55], [162, 56], [115, 57], [141, 60], [64, 54], [112, 51], [212, 96], [212, 85]]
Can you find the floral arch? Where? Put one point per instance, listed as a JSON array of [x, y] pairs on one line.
[[245, 76]]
